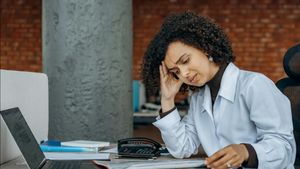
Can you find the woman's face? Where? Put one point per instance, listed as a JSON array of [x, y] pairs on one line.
[[189, 64]]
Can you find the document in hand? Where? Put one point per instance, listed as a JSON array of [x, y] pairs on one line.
[[152, 164]]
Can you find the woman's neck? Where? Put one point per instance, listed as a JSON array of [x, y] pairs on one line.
[[215, 82]]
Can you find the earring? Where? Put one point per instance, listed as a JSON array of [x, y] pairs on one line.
[[211, 59]]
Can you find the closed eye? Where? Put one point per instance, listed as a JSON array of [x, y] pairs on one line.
[[186, 60]]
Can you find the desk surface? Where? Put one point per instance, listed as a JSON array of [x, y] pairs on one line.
[[19, 162]]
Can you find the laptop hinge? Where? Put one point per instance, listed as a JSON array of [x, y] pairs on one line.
[[42, 163]]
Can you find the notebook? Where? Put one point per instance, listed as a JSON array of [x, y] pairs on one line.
[[29, 147]]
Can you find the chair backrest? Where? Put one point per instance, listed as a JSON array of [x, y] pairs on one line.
[[290, 86], [29, 92]]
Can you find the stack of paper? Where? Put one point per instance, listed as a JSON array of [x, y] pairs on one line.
[[76, 156], [74, 150], [85, 143], [159, 164], [73, 146]]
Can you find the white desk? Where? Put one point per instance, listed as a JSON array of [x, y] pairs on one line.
[[18, 163]]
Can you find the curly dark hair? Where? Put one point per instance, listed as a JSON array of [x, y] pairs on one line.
[[190, 29]]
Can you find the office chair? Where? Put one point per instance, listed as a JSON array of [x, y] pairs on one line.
[[290, 86]]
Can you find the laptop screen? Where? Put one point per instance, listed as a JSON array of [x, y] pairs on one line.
[[23, 137]]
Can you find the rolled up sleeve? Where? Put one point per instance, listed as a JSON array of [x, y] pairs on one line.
[[180, 136], [271, 112]]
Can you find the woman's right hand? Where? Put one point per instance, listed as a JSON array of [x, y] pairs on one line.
[[169, 87]]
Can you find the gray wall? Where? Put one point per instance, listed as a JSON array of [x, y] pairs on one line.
[[87, 55]]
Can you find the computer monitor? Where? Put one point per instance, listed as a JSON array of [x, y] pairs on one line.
[[29, 92]]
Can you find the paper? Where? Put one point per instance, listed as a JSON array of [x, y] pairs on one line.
[[85, 143], [111, 150], [152, 164], [76, 156]]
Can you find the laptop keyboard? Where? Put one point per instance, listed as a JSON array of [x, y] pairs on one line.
[[62, 164]]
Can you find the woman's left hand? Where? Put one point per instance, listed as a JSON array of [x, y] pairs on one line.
[[231, 156]]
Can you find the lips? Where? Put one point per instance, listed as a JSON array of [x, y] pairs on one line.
[[192, 80]]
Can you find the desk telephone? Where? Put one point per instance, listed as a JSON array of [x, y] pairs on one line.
[[138, 147]]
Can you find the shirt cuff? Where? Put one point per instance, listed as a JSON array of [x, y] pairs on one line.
[[252, 161], [168, 121], [163, 114]]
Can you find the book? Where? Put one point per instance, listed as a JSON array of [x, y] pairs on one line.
[[47, 148], [151, 164], [85, 143]]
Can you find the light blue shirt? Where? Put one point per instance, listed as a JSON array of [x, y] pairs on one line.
[[248, 109]]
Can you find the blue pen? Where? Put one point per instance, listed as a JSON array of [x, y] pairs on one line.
[[51, 142], [46, 148]]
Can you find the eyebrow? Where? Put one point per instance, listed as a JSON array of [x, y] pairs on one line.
[[180, 58]]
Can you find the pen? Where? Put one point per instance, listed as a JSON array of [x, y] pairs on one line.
[[46, 148], [51, 142]]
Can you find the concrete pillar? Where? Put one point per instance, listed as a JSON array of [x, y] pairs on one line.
[[87, 55]]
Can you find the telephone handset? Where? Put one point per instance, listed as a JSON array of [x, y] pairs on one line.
[[138, 147]]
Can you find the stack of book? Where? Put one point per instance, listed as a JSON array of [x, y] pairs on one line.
[[73, 146]]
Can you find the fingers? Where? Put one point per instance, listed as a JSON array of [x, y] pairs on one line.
[[218, 160], [165, 73], [179, 83], [161, 74], [232, 162], [226, 158], [236, 162], [164, 68], [215, 157], [223, 162], [168, 78], [162, 71]]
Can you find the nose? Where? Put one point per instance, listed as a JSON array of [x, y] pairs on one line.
[[184, 71]]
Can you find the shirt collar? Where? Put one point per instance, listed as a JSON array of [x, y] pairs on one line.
[[229, 81], [207, 103]]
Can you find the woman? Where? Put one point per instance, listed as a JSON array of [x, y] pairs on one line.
[[239, 117]]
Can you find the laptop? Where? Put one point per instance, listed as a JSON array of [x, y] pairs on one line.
[[29, 92], [29, 147]]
